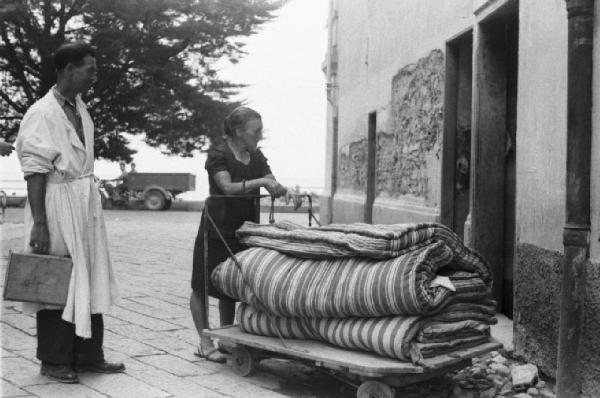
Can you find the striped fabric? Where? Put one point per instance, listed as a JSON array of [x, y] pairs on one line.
[[362, 287], [483, 310], [439, 332], [359, 240], [428, 350], [289, 286], [403, 337]]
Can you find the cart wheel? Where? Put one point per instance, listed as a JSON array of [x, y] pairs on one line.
[[242, 360], [375, 389]]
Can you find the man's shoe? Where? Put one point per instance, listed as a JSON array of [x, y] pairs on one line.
[[60, 373], [100, 367]]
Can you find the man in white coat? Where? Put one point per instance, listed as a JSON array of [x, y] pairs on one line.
[[63, 217]]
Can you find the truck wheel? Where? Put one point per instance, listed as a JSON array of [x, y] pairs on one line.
[[154, 200]]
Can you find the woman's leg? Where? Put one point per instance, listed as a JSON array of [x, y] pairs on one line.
[[227, 312], [199, 315], [197, 298], [207, 349], [227, 316]]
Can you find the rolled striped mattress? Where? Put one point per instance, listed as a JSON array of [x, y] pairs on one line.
[[408, 338], [377, 241], [288, 286], [405, 291]]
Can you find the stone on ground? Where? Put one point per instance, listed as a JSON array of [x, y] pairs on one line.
[[524, 376]]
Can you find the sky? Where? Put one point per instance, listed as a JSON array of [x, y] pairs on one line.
[[285, 84]]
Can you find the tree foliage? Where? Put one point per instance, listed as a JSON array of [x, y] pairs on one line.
[[156, 64]]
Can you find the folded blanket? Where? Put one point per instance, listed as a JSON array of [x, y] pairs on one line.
[[482, 310], [360, 240], [289, 286], [440, 332], [403, 337], [428, 350]]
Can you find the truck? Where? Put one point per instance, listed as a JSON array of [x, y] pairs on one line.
[[156, 190]]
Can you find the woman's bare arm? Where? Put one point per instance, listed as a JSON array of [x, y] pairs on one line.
[[223, 180]]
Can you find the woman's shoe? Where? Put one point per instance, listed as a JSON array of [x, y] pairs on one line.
[[224, 348], [212, 354]]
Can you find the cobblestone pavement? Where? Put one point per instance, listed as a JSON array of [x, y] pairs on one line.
[[151, 330]]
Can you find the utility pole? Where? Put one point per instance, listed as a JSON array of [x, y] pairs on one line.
[[576, 233]]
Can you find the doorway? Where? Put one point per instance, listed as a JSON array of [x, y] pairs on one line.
[[371, 167], [456, 170]]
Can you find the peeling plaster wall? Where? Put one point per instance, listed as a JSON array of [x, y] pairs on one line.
[[402, 156], [417, 111], [352, 166], [391, 62]]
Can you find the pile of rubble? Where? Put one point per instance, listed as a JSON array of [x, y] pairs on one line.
[[496, 376], [491, 376]]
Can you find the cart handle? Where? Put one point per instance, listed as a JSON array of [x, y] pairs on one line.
[[311, 215]]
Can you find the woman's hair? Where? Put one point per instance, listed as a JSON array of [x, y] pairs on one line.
[[237, 118]]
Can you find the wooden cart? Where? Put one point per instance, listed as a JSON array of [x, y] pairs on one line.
[[374, 375]]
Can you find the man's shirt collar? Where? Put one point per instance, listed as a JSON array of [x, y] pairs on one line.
[[62, 100]]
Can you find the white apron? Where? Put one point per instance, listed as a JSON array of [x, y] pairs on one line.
[[48, 143]]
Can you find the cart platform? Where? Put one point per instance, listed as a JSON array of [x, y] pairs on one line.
[[376, 372]]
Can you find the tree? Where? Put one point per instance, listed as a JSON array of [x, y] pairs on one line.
[[156, 64]]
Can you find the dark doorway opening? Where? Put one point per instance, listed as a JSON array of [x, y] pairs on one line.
[[371, 165], [456, 170]]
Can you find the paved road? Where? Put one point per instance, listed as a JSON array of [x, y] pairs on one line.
[[151, 329]]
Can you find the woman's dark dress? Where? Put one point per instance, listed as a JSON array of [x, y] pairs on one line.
[[228, 213]]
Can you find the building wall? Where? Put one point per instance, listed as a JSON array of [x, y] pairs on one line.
[[329, 68], [541, 187], [394, 66], [595, 239], [591, 350], [541, 138], [541, 133], [391, 61]]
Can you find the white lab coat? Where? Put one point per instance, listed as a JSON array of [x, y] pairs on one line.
[[48, 143]]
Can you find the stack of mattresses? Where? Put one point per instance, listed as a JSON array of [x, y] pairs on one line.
[[407, 291]]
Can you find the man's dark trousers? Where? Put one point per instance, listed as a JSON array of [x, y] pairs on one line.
[[58, 344]]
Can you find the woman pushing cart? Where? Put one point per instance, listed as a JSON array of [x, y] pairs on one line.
[[235, 168]]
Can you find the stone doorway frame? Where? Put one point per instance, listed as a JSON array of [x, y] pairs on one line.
[[489, 142]]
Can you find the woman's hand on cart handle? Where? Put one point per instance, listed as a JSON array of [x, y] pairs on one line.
[[274, 188]]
